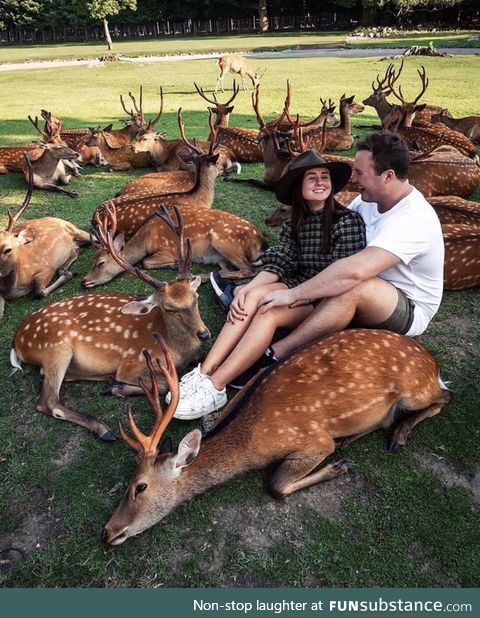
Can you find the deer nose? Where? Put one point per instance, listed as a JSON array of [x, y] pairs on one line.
[[203, 335], [103, 536]]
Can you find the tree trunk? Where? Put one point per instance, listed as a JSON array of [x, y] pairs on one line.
[[108, 38], [263, 15]]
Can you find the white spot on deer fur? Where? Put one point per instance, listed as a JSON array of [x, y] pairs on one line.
[[126, 334]]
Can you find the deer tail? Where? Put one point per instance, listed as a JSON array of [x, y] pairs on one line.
[[15, 361]]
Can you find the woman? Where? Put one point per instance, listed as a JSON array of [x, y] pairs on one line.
[[320, 232]]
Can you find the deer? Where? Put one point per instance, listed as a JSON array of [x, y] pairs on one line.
[[101, 336], [274, 420], [119, 158], [469, 125], [216, 237], [462, 251], [133, 210], [453, 209], [340, 138], [31, 253], [231, 63], [381, 89], [423, 134], [242, 142], [47, 161]]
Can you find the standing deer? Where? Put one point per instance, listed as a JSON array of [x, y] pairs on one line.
[[216, 237], [101, 336], [237, 64], [358, 381]]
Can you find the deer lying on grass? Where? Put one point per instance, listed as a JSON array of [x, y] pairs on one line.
[[32, 252], [453, 209], [392, 381], [216, 237], [462, 256], [133, 210], [341, 138], [469, 126], [241, 141], [120, 158], [231, 63], [101, 336], [422, 134]]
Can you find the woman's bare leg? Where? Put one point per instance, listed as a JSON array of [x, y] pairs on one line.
[[231, 333], [255, 340]]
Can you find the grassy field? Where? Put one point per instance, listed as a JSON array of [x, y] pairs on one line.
[[234, 43], [407, 520]]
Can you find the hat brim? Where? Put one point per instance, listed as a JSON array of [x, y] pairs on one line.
[[340, 174]]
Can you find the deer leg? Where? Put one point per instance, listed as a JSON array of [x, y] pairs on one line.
[[126, 381], [159, 260], [51, 187], [2, 306], [405, 426], [41, 291], [49, 400], [3, 169], [295, 472]]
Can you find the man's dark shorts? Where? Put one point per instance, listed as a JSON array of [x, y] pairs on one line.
[[402, 316]]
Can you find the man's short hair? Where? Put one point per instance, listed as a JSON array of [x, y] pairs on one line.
[[389, 152]]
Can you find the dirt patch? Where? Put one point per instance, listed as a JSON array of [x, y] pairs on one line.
[[463, 328], [70, 452], [444, 470], [33, 530], [320, 46]]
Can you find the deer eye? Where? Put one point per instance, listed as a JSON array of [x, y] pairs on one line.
[[100, 263], [140, 488], [7, 251]]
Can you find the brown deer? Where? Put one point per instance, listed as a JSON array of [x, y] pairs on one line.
[[231, 63], [422, 134], [341, 138], [32, 252], [119, 158], [133, 210], [378, 98], [469, 125], [391, 380], [453, 209], [241, 141], [462, 256], [100, 336], [216, 237]]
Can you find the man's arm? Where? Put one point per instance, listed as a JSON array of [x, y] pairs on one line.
[[334, 280]]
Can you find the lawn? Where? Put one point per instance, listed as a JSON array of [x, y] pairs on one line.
[[235, 43], [409, 520]]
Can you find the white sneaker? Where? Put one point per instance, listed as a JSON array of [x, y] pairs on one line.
[[191, 378], [199, 398]]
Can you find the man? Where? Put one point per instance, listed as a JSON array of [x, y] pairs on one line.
[[396, 282]]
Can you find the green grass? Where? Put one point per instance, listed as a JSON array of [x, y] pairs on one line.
[[391, 522], [234, 43]]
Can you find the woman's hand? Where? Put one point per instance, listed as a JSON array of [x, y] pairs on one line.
[[237, 307]]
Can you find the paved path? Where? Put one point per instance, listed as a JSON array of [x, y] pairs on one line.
[[288, 53]]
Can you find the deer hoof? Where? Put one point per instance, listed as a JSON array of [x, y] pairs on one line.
[[72, 193], [109, 436], [347, 464], [395, 447]]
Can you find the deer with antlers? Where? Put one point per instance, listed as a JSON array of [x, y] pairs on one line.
[[101, 336], [216, 237], [133, 210], [31, 253], [275, 420], [241, 141], [424, 134], [231, 63], [120, 158]]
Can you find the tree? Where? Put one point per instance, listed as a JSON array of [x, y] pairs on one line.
[[16, 13], [403, 7], [101, 9]]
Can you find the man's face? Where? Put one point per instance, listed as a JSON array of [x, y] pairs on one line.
[[370, 185]]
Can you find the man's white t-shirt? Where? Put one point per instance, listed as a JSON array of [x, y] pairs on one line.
[[411, 231]]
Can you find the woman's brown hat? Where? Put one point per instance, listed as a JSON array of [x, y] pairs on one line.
[[339, 173]]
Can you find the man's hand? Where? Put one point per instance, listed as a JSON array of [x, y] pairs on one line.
[[279, 298]]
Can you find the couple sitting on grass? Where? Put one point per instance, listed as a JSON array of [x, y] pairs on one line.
[[376, 264]]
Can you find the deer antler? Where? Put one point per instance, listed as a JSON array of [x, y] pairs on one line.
[[12, 219], [192, 147], [184, 257], [152, 123], [392, 77], [255, 103], [144, 444], [105, 228], [44, 134], [215, 102], [424, 79]]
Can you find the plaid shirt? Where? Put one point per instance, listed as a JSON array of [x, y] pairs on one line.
[[294, 263]]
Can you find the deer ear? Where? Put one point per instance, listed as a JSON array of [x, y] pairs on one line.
[[419, 108], [108, 128], [188, 449], [195, 283], [138, 307], [119, 242], [25, 236], [213, 159]]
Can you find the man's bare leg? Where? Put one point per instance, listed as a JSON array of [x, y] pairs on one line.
[[371, 302]]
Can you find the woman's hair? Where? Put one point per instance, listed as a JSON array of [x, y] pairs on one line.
[[331, 213]]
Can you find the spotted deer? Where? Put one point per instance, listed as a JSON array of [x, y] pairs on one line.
[[422, 134], [393, 381], [469, 125], [101, 336], [119, 158], [341, 138], [133, 210], [462, 255], [31, 253], [231, 63], [242, 142], [216, 237], [453, 209]]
